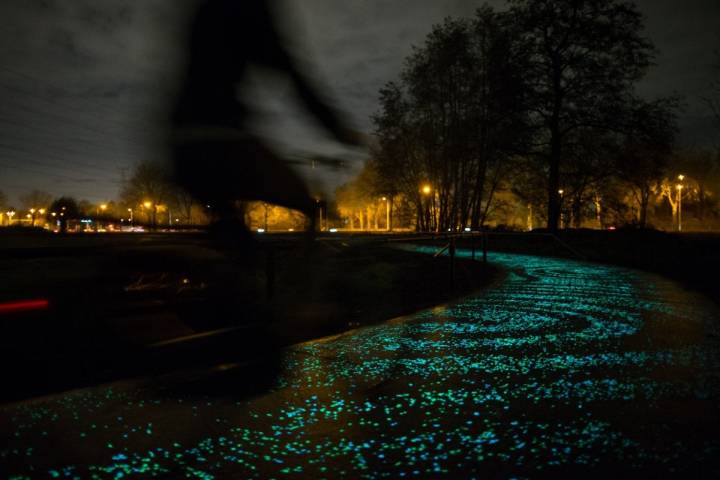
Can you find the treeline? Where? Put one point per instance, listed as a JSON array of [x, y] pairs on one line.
[[531, 113], [148, 198]]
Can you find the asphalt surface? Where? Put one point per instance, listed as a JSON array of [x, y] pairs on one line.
[[561, 368]]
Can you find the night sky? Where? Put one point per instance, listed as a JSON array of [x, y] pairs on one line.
[[84, 85]]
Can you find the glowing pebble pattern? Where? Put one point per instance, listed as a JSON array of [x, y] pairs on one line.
[[563, 368]]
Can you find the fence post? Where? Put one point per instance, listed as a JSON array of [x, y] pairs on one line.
[[451, 251], [484, 246]]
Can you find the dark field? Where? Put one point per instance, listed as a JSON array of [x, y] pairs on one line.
[[135, 305]]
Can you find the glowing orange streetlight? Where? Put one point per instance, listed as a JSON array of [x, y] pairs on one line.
[[387, 213], [426, 189], [679, 189]]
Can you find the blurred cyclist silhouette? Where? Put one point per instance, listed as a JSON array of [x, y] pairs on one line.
[[216, 158]]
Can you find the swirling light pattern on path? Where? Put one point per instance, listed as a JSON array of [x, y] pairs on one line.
[[562, 368]]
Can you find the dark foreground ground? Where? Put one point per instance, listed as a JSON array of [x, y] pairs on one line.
[[123, 306], [561, 369]]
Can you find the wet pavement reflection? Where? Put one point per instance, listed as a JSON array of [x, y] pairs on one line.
[[561, 367]]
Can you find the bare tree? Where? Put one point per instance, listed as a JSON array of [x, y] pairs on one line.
[[36, 199], [148, 187], [586, 55], [646, 149], [452, 121]]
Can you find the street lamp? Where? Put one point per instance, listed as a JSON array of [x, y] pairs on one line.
[[102, 207], [10, 215], [32, 217], [152, 214], [387, 213], [429, 205], [679, 189]]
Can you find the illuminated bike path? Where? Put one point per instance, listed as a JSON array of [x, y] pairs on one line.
[[562, 368]]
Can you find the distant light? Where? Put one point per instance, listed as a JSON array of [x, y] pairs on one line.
[[291, 229], [426, 189], [468, 229], [260, 230], [611, 228], [147, 204], [384, 199], [561, 192], [681, 177], [85, 220], [333, 230]]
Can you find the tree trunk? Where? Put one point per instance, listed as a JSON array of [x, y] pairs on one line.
[[555, 150], [644, 200], [598, 211], [553, 222], [391, 199], [576, 212]]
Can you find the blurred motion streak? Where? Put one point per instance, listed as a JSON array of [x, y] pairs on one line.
[[23, 306]]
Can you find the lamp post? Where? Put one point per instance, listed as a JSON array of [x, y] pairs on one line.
[[149, 205], [32, 217], [387, 213], [561, 192], [131, 216], [679, 189], [102, 207], [10, 215], [426, 191]]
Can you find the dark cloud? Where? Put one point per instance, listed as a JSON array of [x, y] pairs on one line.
[[84, 85]]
